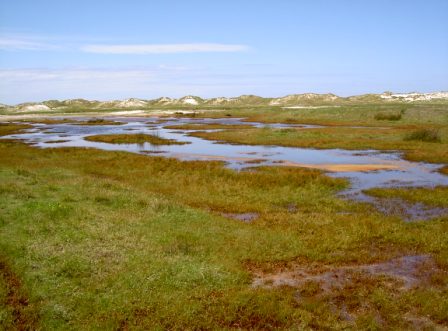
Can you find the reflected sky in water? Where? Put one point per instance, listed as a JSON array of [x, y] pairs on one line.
[[238, 156]]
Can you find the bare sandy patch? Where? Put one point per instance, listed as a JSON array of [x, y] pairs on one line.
[[342, 167]]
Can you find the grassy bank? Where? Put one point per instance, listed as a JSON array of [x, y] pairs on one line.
[[112, 240], [9, 128], [363, 115]]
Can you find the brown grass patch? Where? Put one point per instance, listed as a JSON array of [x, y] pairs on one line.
[[16, 300], [409, 270], [133, 139], [10, 128], [99, 121], [49, 120]]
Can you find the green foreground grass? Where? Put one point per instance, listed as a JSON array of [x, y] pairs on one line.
[[112, 240]]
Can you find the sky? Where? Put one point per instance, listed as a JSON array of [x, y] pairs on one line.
[[104, 50]]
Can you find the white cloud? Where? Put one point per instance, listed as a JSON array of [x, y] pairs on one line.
[[162, 48], [20, 42], [66, 79], [11, 43], [20, 85], [27, 84]]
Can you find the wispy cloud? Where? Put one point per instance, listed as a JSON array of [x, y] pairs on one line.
[[162, 48], [23, 43], [69, 76], [107, 83], [19, 85], [36, 84]]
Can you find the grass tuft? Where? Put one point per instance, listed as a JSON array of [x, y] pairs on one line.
[[388, 116], [11, 128], [99, 121], [425, 135]]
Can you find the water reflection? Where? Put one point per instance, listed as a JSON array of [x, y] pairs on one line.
[[400, 173]]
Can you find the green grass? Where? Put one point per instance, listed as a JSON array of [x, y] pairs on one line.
[[138, 138], [48, 120], [11, 128], [108, 240], [388, 116], [362, 115], [426, 135], [99, 121], [432, 197]]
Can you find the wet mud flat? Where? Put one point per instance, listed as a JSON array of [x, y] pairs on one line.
[[338, 286], [364, 169], [408, 271], [408, 211], [242, 217]]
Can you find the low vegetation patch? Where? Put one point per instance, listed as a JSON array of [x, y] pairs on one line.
[[57, 141], [437, 196], [50, 121], [99, 121], [444, 170], [426, 135], [388, 116], [14, 310], [7, 129], [355, 115], [139, 138]]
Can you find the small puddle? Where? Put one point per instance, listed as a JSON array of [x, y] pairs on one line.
[[243, 217], [365, 169], [338, 285], [408, 211], [410, 271]]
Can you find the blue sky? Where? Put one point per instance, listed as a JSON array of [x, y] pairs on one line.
[[118, 49]]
